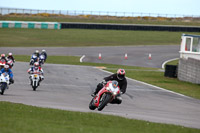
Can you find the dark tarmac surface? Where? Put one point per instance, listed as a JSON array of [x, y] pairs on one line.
[[137, 55], [71, 86]]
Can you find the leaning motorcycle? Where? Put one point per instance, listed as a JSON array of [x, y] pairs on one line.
[[41, 60], [34, 59], [10, 63], [105, 95], [2, 63], [4, 82], [35, 79]]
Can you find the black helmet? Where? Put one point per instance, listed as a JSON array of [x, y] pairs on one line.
[[121, 74]]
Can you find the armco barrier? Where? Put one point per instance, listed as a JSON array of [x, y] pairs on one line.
[[130, 27], [30, 25]]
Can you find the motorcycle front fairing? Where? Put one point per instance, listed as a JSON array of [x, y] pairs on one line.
[[35, 77], [4, 79], [108, 88]]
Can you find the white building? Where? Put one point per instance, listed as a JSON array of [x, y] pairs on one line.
[[189, 62], [190, 46]]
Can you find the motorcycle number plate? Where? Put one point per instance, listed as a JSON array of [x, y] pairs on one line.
[[35, 76]]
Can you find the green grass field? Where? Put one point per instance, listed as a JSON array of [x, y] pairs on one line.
[[18, 118], [149, 75], [83, 37]]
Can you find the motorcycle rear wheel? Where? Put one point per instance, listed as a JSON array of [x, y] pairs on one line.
[[104, 102]]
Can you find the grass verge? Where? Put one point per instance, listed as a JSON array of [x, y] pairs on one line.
[[83, 37], [148, 75], [18, 118]]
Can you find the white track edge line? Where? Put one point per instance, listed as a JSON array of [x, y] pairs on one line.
[[163, 65], [151, 85], [81, 59]]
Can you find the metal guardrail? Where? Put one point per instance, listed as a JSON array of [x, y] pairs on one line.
[[5, 11]]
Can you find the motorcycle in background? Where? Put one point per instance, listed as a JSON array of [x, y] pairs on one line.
[[105, 95], [2, 63], [4, 82], [10, 63], [34, 59], [41, 60]]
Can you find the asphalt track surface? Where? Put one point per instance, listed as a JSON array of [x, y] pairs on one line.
[[69, 87], [137, 55]]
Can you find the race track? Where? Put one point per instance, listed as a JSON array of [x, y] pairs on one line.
[[137, 55], [69, 87]]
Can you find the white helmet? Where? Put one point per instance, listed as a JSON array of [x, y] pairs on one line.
[[36, 64], [36, 51], [43, 50], [6, 66], [10, 54], [3, 55]]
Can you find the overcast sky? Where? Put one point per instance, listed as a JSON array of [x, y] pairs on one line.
[[186, 7]]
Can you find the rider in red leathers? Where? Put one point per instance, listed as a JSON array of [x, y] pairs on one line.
[[10, 56]]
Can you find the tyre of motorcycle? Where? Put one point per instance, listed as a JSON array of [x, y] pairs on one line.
[[34, 85], [104, 101], [3, 87], [31, 62], [91, 105]]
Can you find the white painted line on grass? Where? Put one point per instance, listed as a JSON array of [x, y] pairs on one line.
[[163, 65], [81, 59]]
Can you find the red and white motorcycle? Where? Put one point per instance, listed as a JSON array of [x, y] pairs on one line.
[[2, 63], [105, 95], [10, 63]]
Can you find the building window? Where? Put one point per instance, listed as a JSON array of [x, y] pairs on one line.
[[188, 44], [196, 44]]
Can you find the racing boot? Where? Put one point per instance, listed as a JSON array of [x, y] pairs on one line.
[[93, 95]]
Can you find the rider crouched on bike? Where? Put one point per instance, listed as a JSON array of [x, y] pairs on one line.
[[122, 82], [36, 69], [45, 54], [10, 73], [3, 58], [37, 53], [10, 56]]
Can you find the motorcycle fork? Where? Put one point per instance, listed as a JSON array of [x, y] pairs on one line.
[[102, 97]]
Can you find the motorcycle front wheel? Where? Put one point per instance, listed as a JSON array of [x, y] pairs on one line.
[[105, 99], [3, 87], [34, 86], [91, 105]]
